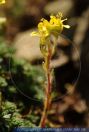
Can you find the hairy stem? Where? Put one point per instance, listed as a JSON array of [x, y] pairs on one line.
[[47, 100]]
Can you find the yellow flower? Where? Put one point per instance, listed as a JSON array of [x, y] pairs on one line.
[[2, 1], [47, 28], [54, 26]]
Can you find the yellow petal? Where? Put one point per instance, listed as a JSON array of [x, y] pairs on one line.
[[34, 34], [40, 26], [66, 26], [64, 20]]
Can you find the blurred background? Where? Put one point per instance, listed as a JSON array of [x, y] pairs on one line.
[[21, 75]]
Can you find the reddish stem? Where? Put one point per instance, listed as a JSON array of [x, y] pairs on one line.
[[48, 91]]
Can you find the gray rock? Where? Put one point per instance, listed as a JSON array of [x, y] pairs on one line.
[[27, 46], [63, 6]]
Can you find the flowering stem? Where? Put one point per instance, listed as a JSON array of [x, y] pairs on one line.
[[47, 100], [47, 29]]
